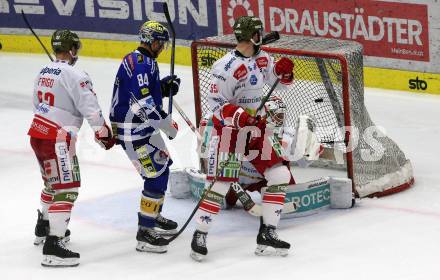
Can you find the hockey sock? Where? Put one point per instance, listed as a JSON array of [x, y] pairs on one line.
[[59, 211], [273, 203], [210, 206], [149, 208], [45, 201]]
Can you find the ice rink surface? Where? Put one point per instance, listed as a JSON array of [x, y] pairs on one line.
[[395, 237]]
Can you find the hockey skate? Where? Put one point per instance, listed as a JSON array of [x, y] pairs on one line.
[[42, 230], [165, 226], [198, 246], [150, 241], [55, 253], [266, 238]]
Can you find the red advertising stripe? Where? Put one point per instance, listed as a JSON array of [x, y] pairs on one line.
[[386, 29]]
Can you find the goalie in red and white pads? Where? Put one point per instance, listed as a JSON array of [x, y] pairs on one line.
[[237, 81]]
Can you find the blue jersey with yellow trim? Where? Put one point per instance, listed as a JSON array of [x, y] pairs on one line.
[[136, 107]]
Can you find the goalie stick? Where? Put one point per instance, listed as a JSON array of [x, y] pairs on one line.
[[173, 50]]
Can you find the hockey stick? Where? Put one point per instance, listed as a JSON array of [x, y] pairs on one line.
[[186, 119], [220, 171], [266, 97], [35, 34], [173, 48]]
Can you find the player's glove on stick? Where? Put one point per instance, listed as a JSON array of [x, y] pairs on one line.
[[284, 70], [104, 137], [170, 84]]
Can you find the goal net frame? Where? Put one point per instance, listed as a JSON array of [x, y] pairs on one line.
[[342, 52]]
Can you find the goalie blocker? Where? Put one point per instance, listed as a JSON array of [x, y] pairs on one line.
[[301, 199]]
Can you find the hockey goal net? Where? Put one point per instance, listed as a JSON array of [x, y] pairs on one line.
[[329, 88]]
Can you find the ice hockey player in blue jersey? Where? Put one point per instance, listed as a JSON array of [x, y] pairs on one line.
[[137, 118]]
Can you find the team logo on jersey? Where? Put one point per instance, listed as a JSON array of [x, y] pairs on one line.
[[253, 80], [229, 64], [262, 62], [140, 58], [145, 91], [241, 72]]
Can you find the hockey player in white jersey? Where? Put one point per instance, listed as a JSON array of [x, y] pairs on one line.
[[237, 81], [63, 97]]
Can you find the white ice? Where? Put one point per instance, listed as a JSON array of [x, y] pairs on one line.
[[395, 237]]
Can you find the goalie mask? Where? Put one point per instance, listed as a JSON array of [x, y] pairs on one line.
[[275, 110]]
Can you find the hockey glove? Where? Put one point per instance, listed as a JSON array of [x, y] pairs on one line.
[[169, 84], [168, 126], [104, 137], [239, 118], [284, 70]]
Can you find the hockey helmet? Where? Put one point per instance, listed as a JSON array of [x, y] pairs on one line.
[[245, 28], [153, 30], [64, 40], [275, 110]]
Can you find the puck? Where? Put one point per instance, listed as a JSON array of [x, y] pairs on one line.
[[318, 100]]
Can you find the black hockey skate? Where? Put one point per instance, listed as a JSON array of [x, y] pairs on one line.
[[56, 254], [42, 230], [165, 226], [150, 241], [267, 237], [198, 246]]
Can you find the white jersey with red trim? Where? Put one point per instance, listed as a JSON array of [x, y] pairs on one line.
[[238, 80], [63, 97]]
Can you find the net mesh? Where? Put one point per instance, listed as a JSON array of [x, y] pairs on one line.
[[379, 166]]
